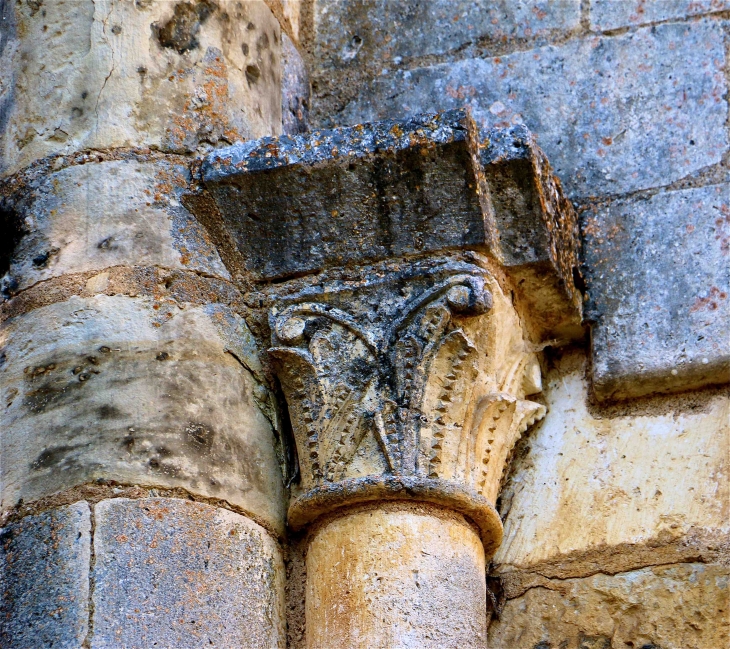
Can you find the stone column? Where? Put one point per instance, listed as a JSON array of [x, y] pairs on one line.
[[421, 265], [130, 383], [405, 408]]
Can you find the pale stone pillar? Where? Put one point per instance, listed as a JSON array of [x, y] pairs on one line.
[[396, 575], [420, 267], [126, 365], [410, 409]]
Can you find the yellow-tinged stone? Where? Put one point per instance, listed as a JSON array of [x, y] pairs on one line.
[[402, 575], [683, 606], [591, 480]]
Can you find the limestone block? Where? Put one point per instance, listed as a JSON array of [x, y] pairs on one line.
[[658, 277], [613, 114], [138, 391], [609, 14], [396, 577], [173, 573], [592, 482], [292, 10], [682, 606], [96, 216], [178, 76], [44, 579], [383, 32], [294, 89], [399, 187]]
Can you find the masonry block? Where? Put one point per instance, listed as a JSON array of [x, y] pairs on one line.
[[128, 210], [658, 284], [174, 76], [44, 579], [613, 114], [676, 606], [630, 13], [431, 183], [174, 573], [351, 33], [140, 390]]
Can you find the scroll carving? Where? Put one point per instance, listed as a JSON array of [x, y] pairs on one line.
[[411, 392]]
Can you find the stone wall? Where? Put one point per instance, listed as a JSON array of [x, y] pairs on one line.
[[143, 437], [618, 501]]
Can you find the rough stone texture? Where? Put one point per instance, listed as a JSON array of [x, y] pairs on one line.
[[173, 573], [382, 32], [180, 76], [396, 577], [615, 14], [407, 187], [96, 216], [139, 391], [588, 481], [295, 93], [417, 370], [658, 278], [292, 10], [681, 606], [613, 115], [400, 187], [44, 579]]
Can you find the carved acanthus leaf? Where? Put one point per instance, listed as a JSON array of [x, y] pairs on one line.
[[413, 384]]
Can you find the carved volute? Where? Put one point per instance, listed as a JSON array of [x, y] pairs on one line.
[[421, 263]]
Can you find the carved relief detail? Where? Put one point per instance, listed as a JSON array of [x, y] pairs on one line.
[[406, 395]]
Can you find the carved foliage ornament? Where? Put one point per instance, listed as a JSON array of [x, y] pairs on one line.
[[422, 373]]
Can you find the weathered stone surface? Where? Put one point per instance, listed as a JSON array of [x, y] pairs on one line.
[[538, 231], [295, 93], [403, 188], [293, 12], [592, 481], [173, 573], [629, 13], [681, 606], [96, 216], [382, 32], [400, 576], [658, 275], [398, 187], [419, 372], [613, 114], [180, 76], [140, 391], [44, 579]]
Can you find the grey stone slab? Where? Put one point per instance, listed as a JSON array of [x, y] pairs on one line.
[[659, 280], [614, 14], [349, 194], [173, 573], [613, 114], [354, 195], [44, 579], [380, 32]]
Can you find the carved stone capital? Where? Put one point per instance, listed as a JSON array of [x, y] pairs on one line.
[[410, 270], [409, 382]]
